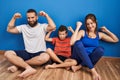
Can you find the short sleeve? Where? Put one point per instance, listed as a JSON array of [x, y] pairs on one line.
[[53, 41], [44, 26], [19, 28]]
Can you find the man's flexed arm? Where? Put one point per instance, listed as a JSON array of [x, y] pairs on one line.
[[51, 24], [11, 25]]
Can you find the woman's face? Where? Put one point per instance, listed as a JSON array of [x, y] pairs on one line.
[[91, 25]]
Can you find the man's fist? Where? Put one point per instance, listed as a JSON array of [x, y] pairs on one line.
[[42, 13], [17, 15]]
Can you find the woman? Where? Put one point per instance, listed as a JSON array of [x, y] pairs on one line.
[[86, 49]]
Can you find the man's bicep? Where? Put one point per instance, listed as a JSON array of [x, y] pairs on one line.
[[49, 28], [13, 30]]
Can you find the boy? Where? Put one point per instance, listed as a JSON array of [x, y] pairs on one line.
[[62, 49]]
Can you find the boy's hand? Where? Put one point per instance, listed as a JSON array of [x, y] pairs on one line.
[[17, 15], [70, 28]]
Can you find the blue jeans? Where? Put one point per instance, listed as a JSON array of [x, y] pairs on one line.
[[79, 53]]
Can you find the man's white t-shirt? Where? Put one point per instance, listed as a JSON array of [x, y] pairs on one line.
[[34, 37]]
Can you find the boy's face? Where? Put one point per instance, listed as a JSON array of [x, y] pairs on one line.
[[62, 35]]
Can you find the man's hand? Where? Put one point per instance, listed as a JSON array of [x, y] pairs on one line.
[[17, 15], [42, 13]]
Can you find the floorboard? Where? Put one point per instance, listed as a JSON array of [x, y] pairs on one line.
[[107, 67]]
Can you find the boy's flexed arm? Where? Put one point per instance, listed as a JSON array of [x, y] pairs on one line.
[[51, 25], [47, 37], [70, 29]]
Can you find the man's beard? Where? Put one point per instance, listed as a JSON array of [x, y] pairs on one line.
[[34, 24]]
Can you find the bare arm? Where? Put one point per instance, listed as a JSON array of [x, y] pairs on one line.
[[70, 29], [11, 25], [47, 37], [74, 36], [51, 25], [109, 36]]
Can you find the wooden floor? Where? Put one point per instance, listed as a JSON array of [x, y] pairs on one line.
[[108, 68]]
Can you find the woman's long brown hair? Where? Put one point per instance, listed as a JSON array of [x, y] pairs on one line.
[[93, 18]]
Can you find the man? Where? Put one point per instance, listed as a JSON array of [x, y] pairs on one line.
[[35, 46]]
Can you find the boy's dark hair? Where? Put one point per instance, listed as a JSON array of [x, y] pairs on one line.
[[32, 10], [63, 28]]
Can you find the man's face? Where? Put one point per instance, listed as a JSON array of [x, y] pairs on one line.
[[32, 19]]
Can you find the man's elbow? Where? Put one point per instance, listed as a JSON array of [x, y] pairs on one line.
[[117, 40], [8, 30], [51, 28], [54, 27]]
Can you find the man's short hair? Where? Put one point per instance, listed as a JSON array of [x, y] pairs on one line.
[[32, 10]]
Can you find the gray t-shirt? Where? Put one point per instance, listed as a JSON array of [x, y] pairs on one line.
[[34, 37]]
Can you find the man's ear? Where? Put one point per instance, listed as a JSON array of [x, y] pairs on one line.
[[37, 17]]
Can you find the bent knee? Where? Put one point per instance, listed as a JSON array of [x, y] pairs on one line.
[[9, 53], [101, 50], [49, 50], [44, 57], [74, 62]]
